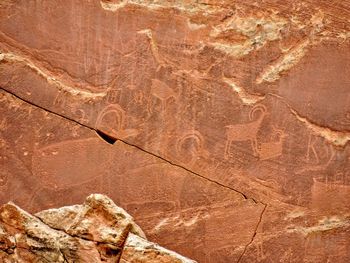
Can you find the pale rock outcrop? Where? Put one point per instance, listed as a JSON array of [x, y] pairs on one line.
[[97, 231]]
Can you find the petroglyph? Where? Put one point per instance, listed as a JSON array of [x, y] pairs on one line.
[[260, 255], [111, 122], [272, 149], [246, 131], [114, 95], [162, 92], [196, 147], [117, 117], [154, 46], [316, 148], [83, 118], [172, 74]]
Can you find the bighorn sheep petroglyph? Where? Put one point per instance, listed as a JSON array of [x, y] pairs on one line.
[[272, 149], [246, 131]]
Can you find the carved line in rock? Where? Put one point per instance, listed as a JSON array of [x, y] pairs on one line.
[[162, 62], [313, 154], [139, 148], [49, 78]]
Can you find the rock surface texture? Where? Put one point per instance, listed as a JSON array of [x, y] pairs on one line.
[[97, 231], [222, 126]]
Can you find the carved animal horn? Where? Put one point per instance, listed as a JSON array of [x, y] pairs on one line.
[[195, 135], [256, 108], [115, 109]]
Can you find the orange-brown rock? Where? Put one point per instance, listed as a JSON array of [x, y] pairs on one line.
[[193, 115], [97, 231]]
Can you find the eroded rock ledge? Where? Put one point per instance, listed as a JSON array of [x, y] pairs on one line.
[[96, 231]]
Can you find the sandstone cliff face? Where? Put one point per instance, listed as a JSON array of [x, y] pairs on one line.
[[97, 231], [217, 123]]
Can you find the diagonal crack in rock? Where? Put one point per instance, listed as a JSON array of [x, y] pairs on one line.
[[254, 234], [244, 196]]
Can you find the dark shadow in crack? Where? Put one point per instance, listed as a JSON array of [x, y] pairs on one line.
[[106, 137]]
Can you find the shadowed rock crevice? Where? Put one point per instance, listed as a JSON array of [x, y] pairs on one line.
[[107, 138]]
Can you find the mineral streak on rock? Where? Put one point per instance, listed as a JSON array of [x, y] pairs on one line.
[[97, 231], [10, 57], [286, 62]]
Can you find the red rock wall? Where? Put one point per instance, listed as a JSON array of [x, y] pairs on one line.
[[232, 120]]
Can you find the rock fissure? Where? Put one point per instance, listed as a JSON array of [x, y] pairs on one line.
[[135, 146], [254, 234]]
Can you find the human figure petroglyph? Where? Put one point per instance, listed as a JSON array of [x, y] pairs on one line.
[[114, 96], [162, 92], [319, 154], [60, 99], [112, 121], [287, 256], [246, 131], [311, 149], [154, 48], [138, 97], [197, 148], [82, 116], [272, 149], [260, 252]]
